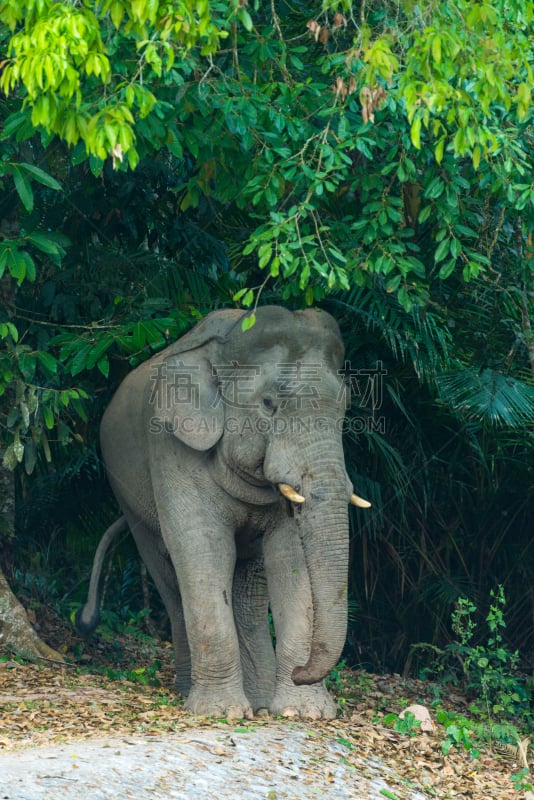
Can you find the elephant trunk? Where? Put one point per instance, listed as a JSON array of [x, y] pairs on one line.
[[326, 549], [322, 520]]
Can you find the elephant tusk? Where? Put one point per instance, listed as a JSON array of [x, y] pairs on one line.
[[359, 501], [290, 493]]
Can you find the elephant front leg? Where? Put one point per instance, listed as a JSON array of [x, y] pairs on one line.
[[292, 609], [204, 564]]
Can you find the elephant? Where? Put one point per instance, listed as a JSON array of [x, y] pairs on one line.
[[225, 454]]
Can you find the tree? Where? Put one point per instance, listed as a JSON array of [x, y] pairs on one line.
[[281, 120], [16, 632]]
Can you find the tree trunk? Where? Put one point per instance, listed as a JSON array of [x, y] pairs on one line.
[[16, 633]]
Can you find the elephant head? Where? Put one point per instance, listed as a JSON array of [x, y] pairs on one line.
[[267, 405]]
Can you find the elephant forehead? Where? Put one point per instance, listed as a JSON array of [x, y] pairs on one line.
[[278, 365], [288, 338]]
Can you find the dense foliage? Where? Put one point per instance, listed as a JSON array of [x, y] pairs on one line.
[[374, 158]]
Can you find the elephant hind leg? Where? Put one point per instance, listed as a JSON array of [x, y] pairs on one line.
[[153, 552], [250, 603]]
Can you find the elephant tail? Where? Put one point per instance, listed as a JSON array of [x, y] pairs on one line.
[[88, 617]]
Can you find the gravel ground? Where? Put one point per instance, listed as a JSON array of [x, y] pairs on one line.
[[277, 761]]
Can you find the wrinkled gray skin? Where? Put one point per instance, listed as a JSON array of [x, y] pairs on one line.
[[196, 476]]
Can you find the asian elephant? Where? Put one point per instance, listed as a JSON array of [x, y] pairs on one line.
[[224, 452]]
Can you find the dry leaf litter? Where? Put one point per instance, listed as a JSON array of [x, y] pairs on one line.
[[66, 735]]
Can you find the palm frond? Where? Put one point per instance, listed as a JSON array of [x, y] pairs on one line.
[[487, 396], [419, 338]]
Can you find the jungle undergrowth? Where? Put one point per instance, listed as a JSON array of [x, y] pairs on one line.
[[482, 666], [346, 684], [492, 710]]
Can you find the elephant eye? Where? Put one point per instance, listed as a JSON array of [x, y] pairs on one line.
[[268, 405]]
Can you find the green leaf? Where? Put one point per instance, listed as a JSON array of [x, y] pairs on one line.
[[48, 417], [23, 187], [117, 13], [96, 165], [46, 242], [435, 188], [415, 133], [245, 19], [442, 250], [13, 124], [13, 331], [248, 299], [446, 746], [393, 284], [264, 253], [100, 348], [48, 362], [248, 322], [139, 337], [41, 176], [79, 362], [456, 247], [79, 407], [30, 265], [436, 49], [17, 265], [439, 150], [5, 254], [238, 295], [27, 364], [274, 267], [103, 366], [447, 269]]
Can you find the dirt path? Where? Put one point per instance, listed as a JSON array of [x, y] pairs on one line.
[[275, 761]]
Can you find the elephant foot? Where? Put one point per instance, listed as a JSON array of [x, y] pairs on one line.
[[218, 703], [303, 702], [260, 700]]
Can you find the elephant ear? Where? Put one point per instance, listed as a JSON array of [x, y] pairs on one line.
[[184, 388]]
